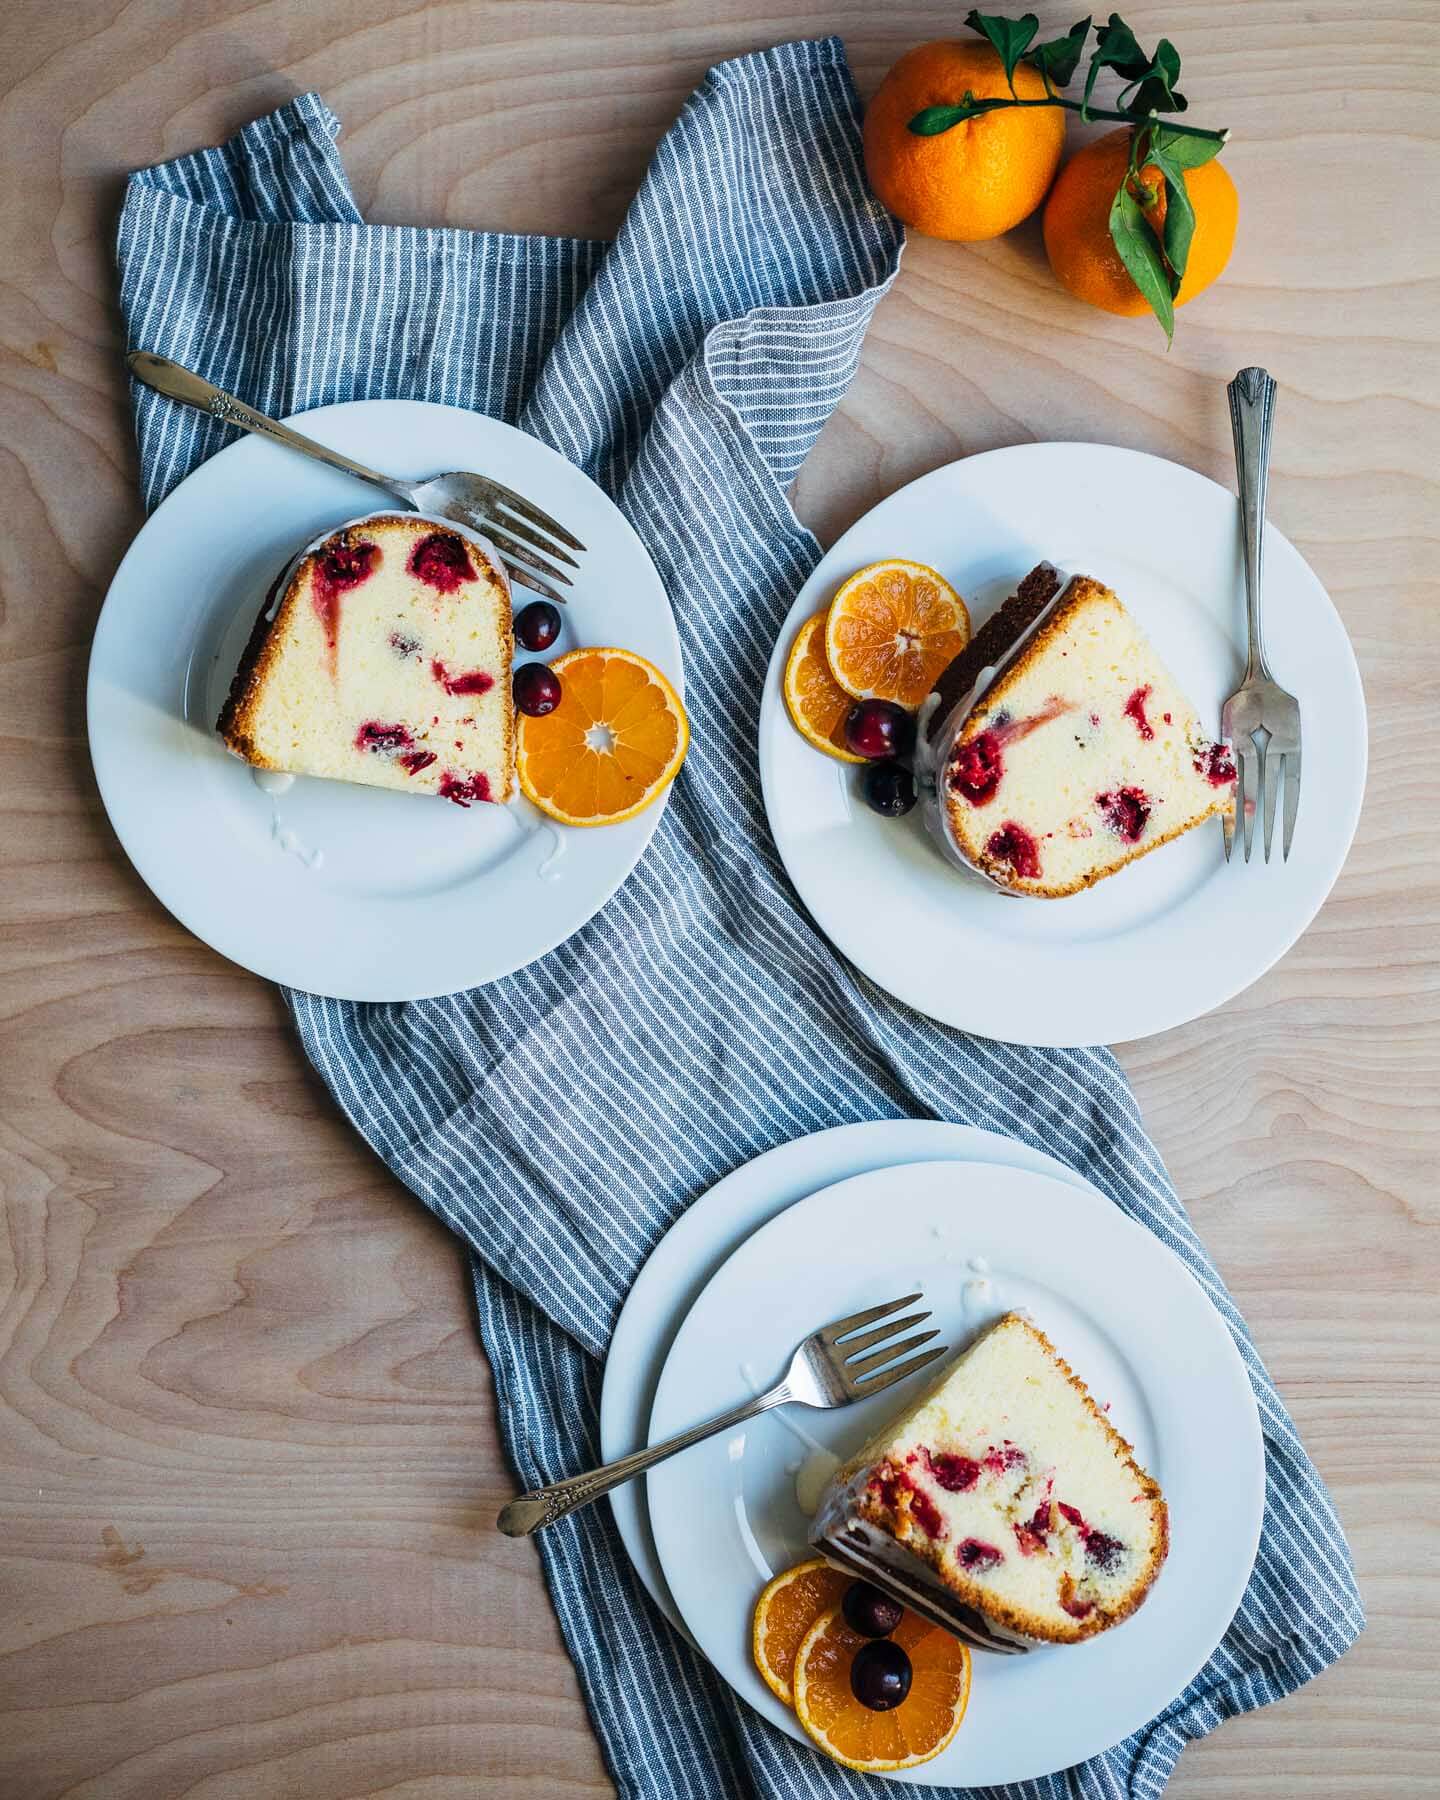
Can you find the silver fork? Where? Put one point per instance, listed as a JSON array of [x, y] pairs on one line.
[[829, 1368], [532, 545], [1260, 720]]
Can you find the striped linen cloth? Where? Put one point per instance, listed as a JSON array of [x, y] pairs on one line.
[[559, 1120]]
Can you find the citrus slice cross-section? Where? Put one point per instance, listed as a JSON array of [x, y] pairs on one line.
[[785, 1611], [815, 700], [610, 747], [893, 627], [915, 1731]]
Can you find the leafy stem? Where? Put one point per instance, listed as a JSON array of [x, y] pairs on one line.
[[1152, 241], [930, 121]]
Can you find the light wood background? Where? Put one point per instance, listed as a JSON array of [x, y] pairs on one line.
[[248, 1464]]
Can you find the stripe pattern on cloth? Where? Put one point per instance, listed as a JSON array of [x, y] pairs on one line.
[[699, 1018]]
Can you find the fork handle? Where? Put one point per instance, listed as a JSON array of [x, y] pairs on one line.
[[177, 382], [1252, 415], [531, 1512]]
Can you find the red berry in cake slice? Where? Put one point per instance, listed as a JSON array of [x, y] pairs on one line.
[[876, 729], [537, 690], [975, 1554], [441, 560], [363, 675], [975, 769], [1126, 812], [1135, 710], [537, 626], [956, 1474], [1014, 848], [1216, 762], [476, 681]]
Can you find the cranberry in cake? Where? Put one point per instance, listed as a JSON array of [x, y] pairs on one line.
[[1081, 754], [382, 656], [1004, 1496]]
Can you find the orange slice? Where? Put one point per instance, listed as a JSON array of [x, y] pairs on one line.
[[814, 698], [785, 1611], [915, 1731], [892, 628], [610, 747]]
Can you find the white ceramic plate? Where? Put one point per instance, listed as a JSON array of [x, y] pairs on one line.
[[343, 890], [708, 1231], [1121, 1308], [1180, 932]]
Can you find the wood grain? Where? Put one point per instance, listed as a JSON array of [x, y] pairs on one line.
[[247, 1456]]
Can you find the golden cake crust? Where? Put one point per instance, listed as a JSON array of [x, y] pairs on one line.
[[896, 1521], [1082, 594]]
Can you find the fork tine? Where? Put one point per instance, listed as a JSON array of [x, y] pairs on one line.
[[532, 581], [1247, 795], [519, 504], [1227, 824], [862, 1365], [853, 1346], [510, 549], [1270, 781], [1292, 798], [528, 533], [876, 1384], [831, 1333]]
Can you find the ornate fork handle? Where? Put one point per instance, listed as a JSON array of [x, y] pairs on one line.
[[182, 384], [1252, 417], [543, 1506]]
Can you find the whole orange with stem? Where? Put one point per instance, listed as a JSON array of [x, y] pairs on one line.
[[978, 178], [1077, 225]]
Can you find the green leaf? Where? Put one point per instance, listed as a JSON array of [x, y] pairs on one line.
[[930, 121], [1058, 60], [1011, 37], [1157, 91], [1150, 80], [1179, 218], [1135, 241], [1179, 148]]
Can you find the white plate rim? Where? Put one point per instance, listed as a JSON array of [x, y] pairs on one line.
[[1098, 1014], [240, 469], [705, 1235], [675, 1399]]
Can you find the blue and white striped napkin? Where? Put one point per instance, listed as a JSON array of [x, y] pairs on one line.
[[558, 1121]]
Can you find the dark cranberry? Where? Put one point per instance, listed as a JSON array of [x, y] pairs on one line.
[[876, 729], [926, 1513], [1126, 812], [442, 561], [475, 682], [869, 1612], [976, 768], [976, 1554], [1071, 1601], [880, 1675], [339, 569], [956, 1474], [1104, 1551], [1216, 763], [1013, 844], [462, 789], [538, 626], [1135, 709], [536, 689], [1073, 1514], [889, 789], [385, 739], [416, 761]]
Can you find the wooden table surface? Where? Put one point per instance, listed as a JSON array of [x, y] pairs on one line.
[[248, 1464]]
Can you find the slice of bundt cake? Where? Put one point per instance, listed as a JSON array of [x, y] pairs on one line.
[[1003, 1504], [382, 655], [1081, 754]]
